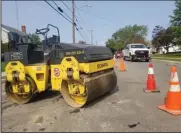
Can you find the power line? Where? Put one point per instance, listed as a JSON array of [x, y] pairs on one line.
[[82, 20], [55, 3], [61, 9], [91, 31], [81, 35], [66, 6], [101, 17], [76, 20], [58, 12], [81, 17], [74, 16], [69, 8], [78, 29], [98, 16], [73, 28], [82, 30], [64, 17]]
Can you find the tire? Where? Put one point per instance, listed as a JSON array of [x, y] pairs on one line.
[[147, 60], [124, 58], [131, 58]]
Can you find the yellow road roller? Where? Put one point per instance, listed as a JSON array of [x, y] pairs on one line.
[[81, 72]]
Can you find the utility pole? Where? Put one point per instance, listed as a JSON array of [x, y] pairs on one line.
[[17, 18], [91, 36], [73, 22]]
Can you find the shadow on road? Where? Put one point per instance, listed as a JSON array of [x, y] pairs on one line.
[[45, 95], [141, 61], [51, 94], [89, 104]]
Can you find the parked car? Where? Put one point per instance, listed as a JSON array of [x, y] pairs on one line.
[[137, 52]]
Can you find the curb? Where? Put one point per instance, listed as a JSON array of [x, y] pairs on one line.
[[169, 61], [166, 58]]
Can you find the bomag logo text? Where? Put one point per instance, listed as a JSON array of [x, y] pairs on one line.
[[102, 65]]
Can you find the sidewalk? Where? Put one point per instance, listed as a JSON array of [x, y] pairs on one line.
[[169, 61]]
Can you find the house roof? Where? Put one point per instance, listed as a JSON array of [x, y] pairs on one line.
[[11, 29]]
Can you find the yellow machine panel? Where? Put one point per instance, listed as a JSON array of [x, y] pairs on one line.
[[56, 77], [40, 74], [15, 68], [96, 66]]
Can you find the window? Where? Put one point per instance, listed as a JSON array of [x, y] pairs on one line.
[[138, 46]]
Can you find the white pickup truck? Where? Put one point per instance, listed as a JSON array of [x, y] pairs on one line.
[[136, 52]]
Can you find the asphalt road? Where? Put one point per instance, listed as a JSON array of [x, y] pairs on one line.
[[126, 109]]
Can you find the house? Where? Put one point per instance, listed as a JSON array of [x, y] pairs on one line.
[[4, 34], [11, 36], [10, 33], [162, 50]]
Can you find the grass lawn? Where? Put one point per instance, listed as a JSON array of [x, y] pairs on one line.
[[2, 66], [167, 59], [172, 57]]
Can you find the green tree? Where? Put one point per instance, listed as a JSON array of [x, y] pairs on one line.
[[111, 44], [167, 38], [156, 34], [114, 45], [162, 37], [175, 20], [35, 38], [131, 34], [82, 42], [128, 34]]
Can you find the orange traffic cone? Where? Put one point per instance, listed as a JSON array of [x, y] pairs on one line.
[[151, 84], [122, 66], [173, 99]]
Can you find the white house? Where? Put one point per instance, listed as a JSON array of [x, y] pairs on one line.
[[162, 50], [15, 34], [4, 34]]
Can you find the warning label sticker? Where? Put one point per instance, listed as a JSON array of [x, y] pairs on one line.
[[56, 72]]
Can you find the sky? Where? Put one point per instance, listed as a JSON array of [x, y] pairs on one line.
[[103, 17]]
